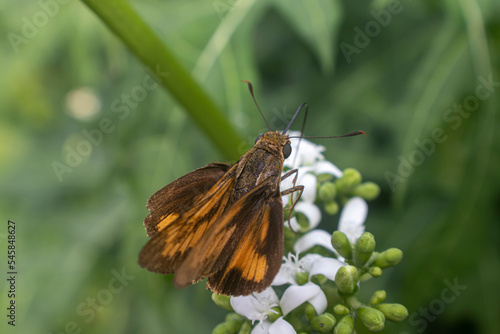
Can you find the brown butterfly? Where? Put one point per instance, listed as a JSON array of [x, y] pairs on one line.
[[224, 222]]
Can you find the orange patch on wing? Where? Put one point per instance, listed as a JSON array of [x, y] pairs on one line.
[[174, 245], [253, 267], [264, 227], [167, 220]]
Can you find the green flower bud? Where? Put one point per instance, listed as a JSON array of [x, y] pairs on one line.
[[233, 316], [325, 177], [378, 297], [373, 319], [388, 258], [346, 279], [246, 328], [331, 207], [273, 316], [319, 279], [222, 301], [350, 179], [342, 244], [323, 323], [393, 312], [345, 325], [309, 311], [302, 278], [302, 220], [367, 190], [228, 327], [364, 249], [375, 271], [341, 309], [327, 192]]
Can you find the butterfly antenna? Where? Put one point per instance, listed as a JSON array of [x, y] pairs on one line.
[[295, 115], [355, 133], [301, 131], [250, 87]]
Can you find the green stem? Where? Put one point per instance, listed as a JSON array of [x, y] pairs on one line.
[[353, 302], [147, 46]]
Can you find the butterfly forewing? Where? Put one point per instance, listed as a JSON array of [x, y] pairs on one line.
[[168, 203], [175, 237]]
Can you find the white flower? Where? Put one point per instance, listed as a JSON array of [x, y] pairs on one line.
[[313, 238], [295, 295], [351, 222], [257, 307], [310, 163], [312, 213], [352, 218], [307, 154], [278, 327]]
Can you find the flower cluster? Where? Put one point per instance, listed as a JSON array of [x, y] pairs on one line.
[[315, 289]]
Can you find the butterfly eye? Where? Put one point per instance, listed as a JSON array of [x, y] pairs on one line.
[[257, 139], [287, 150]]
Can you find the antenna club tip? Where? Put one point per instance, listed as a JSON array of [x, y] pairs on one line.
[[250, 87], [364, 133]]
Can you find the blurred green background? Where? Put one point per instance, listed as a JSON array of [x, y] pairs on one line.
[[394, 69]]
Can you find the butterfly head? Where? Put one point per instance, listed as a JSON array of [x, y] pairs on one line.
[[275, 142]]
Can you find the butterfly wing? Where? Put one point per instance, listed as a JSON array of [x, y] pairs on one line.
[[257, 257], [168, 203], [177, 232], [243, 250]]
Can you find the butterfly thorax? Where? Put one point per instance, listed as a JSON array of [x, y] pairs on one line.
[[263, 163]]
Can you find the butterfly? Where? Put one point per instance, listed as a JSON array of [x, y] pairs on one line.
[[224, 222]]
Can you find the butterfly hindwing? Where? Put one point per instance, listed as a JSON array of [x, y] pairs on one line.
[[257, 257], [247, 240], [173, 241]]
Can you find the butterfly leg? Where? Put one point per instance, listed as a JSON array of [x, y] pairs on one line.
[[294, 188]]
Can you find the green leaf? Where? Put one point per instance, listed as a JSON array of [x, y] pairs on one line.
[[124, 21], [317, 22]]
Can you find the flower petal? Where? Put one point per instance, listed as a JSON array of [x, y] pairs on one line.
[[285, 199], [319, 302], [281, 326], [326, 266], [307, 262], [294, 224], [313, 238], [353, 217], [326, 167], [296, 295], [285, 275], [311, 211], [309, 182], [262, 327], [256, 306], [305, 154]]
